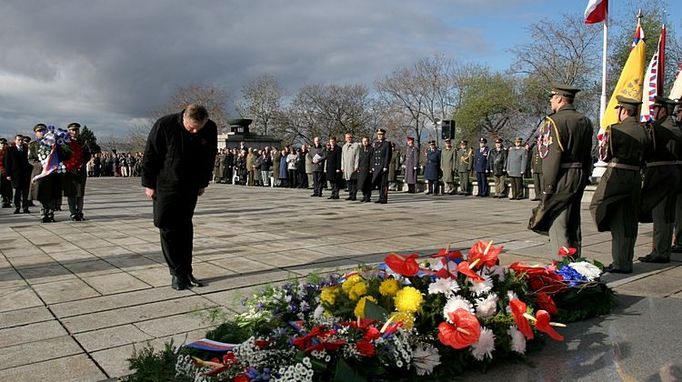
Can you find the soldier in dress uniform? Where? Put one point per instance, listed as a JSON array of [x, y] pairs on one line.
[[48, 189], [661, 181], [365, 162], [566, 150], [497, 165], [380, 163], [447, 167], [481, 168], [76, 173], [432, 169], [465, 161], [616, 202], [411, 164], [394, 169], [536, 170], [517, 157]]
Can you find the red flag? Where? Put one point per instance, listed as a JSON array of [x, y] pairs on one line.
[[596, 11]]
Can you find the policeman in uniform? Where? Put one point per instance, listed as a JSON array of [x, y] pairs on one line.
[[616, 202], [382, 159], [662, 181], [465, 161], [566, 150], [76, 173]]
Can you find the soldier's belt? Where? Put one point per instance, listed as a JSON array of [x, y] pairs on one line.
[[623, 166], [663, 163], [571, 165]]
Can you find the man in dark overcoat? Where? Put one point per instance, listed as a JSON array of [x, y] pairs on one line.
[[5, 185], [411, 164], [316, 154], [177, 167], [380, 163], [497, 165], [365, 158], [616, 201], [432, 168], [333, 169], [18, 172], [662, 181], [481, 168], [566, 151]]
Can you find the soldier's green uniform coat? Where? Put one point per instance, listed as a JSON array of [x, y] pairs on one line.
[[616, 202], [565, 169]]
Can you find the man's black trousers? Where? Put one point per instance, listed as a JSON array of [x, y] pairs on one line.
[[173, 213]]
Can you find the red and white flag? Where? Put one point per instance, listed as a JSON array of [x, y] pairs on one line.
[[596, 11]]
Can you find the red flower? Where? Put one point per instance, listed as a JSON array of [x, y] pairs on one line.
[[463, 332], [404, 266], [565, 251], [240, 378], [465, 269], [365, 348], [483, 253], [540, 279], [518, 308], [261, 344], [448, 255], [546, 302], [542, 324]]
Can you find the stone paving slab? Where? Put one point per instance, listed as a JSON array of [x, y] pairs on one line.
[[93, 291]]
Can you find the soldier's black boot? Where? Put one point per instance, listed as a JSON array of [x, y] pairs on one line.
[[17, 211]]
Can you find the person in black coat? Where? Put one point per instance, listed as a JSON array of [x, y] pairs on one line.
[[481, 167], [177, 167], [19, 173], [432, 168], [380, 163], [5, 185], [365, 157], [333, 169]]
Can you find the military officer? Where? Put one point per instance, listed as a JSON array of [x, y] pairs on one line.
[[48, 189], [661, 181], [481, 168], [566, 151], [465, 156], [616, 202], [447, 167], [76, 173], [497, 165], [411, 164], [380, 163], [536, 170]]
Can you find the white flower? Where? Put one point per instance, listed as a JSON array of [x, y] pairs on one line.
[[518, 343], [482, 287], [590, 271], [424, 358], [319, 311], [446, 286], [486, 307], [485, 345], [454, 303]]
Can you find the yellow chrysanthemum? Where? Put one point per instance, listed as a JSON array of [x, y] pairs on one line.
[[360, 307], [389, 287], [348, 284], [328, 295], [406, 318], [358, 290], [408, 300]]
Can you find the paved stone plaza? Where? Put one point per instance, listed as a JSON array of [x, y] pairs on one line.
[[76, 297]]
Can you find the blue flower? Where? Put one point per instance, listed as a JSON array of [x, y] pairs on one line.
[[571, 276]]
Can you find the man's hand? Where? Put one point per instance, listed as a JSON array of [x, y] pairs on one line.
[[201, 191], [150, 192]]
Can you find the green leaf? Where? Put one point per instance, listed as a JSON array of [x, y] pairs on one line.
[[375, 312], [345, 373]]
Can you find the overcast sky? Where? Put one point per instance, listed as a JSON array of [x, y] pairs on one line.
[[109, 63]]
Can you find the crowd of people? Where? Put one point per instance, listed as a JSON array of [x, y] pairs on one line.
[[111, 163]]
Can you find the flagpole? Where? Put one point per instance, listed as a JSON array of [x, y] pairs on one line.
[[602, 106]]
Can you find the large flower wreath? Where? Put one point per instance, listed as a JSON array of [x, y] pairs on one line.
[[408, 317]]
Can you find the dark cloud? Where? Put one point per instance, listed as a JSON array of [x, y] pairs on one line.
[[109, 63]]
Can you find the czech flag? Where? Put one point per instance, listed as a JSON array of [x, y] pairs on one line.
[[596, 11]]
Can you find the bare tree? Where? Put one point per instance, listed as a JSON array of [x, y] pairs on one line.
[[261, 100], [438, 80]]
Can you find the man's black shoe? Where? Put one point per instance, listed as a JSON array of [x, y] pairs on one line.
[[313, 195], [178, 283], [194, 281], [6, 205], [383, 201], [655, 260], [17, 211], [611, 269], [535, 200], [26, 211], [677, 248]]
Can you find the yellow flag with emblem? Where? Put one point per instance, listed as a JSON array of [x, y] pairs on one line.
[[630, 81]]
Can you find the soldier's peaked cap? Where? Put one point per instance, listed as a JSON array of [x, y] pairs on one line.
[[381, 131], [432, 142], [627, 103], [40, 126], [664, 101], [463, 142], [74, 126], [3, 141], [564, 90], [483, 140], [499, 140]]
